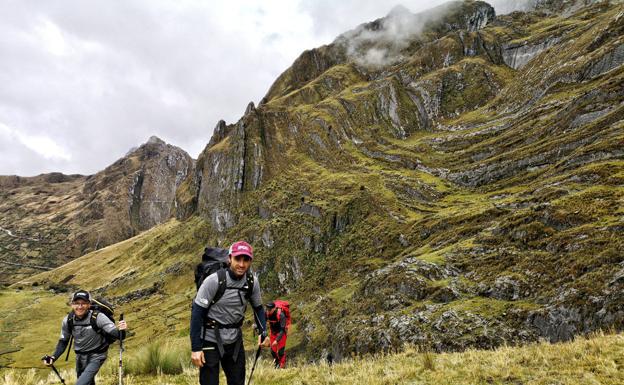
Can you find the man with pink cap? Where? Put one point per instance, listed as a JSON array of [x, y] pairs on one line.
[[217, 317]]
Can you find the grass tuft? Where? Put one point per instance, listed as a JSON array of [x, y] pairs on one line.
[[157, 359]]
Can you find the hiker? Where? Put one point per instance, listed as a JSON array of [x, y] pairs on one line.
[[217, 316], [92, 332], [278, 317]]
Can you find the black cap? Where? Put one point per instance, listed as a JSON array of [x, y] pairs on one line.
[[81, 294], [270, 305]]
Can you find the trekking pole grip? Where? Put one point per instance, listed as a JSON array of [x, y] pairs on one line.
[[122, 333], [46, 358]]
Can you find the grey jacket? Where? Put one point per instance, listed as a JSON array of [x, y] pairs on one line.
[[230, 308], [86, 340]]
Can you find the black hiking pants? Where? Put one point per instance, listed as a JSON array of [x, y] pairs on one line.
[[233, 367]]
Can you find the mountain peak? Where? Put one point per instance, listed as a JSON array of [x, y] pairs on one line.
[[155, 140]]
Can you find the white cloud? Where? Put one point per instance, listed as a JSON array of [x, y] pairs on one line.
[[41, 145], [46, 147], [51, 37]]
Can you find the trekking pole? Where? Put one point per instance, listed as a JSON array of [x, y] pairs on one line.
[[46, 358], [121, 349], [254, 365]]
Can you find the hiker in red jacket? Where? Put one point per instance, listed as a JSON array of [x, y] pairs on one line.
[[278, 315]]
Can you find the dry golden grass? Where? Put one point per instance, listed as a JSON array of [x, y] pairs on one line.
[[595, 360]]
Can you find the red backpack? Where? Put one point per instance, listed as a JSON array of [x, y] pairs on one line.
[[284, 306]]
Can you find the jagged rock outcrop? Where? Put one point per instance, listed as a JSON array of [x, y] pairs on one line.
[[443, 162], [233, 162], [517, 55], [57, 217], [141, 185]]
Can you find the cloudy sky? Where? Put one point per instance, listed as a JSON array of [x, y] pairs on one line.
[[82, 82]]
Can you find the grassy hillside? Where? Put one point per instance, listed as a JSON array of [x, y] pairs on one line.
[[35, 214], [595, 360], [447, 201], [149, 277]]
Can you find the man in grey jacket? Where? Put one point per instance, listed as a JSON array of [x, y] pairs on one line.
[[217, 316], [90, 343]]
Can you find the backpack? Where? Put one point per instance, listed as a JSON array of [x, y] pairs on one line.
[[216, 260], [98, 305], [284, 306], [213, 259]]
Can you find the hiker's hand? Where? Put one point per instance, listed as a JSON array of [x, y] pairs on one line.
[[121, 325], [49, 360], [274, 343], [198, 359], [263, 344]]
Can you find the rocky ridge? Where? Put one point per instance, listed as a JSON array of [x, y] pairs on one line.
[[53, 218]]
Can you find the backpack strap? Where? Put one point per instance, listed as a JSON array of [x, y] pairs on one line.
[[70, 322], [70, 326], [250, 285], [222, 280], [213, 324], [93, 320], [275, 318]]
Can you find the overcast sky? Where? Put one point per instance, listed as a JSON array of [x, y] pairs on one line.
[[82, 82]]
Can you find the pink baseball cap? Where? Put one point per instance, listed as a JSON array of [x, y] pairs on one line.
[[241, 248]]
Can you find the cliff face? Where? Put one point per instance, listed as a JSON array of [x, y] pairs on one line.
[[293, 118], [53, 218], [448, 179], [232, 163], [140, 186]]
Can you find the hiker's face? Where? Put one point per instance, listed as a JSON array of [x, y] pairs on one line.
[[81, 307], [240, 264]]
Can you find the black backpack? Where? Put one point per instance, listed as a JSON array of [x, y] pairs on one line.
[[213, 259], [98, 305]]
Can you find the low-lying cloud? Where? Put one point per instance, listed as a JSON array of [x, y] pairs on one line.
[[381, 43]]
